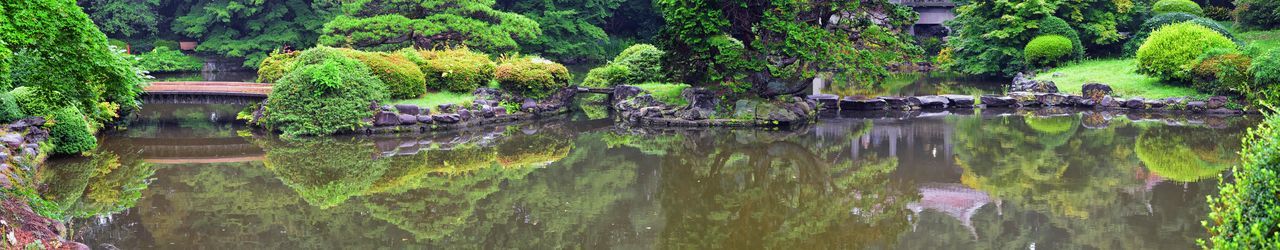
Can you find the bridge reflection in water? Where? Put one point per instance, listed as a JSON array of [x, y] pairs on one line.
[[193, 150]]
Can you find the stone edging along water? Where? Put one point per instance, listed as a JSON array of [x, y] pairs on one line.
[[20, 162], [1096, 97]]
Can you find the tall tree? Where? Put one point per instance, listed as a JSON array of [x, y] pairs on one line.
[[773, 45], [577, 31], [395, 24], [252, 28], [124, 18]]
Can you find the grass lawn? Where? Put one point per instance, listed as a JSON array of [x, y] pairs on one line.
[[433, 100], [1263, 40], [1120, 74], [668, 93]]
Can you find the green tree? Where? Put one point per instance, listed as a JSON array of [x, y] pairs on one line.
[[125, 18], [251, 29], [427, 24], [575, 31], [766, 42]]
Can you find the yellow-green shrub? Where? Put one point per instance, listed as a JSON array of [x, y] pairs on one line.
[[454, 70], [403, 78], [327, 93], [1184, 6], [1171, 51], [275, 66], [532, 77]]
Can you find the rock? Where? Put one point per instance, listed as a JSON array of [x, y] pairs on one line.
[[1216, 102], [827, 101], [387, 108], [1094, 120], [1223, 111], [24, 123], [1022, 82], [4, 156], [1025, 98], [487, 112], [998, 101], [650, 112], [464, 114], [407, 119], [13, 140], [1051, 100], [408, 109], [929, 102], [1197, 106], [386, 119], [499, 111], [446, 108], [30, 153], [424, 119], [1075, 100], [701, 99], [486, 94], [745, 108], [623, 92], [1136, 103], [1108, 102], [529, 105], [1095, 91], [863, 104], [959, 101], [766, 111], [1155, 104], [691, 115], [898, 103], [446, 118]]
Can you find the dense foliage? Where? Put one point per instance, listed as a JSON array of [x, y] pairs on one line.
[[1159, 21], [584, 30], [402, 77], [1266, 73], [326, 93], [1171, 50], [1222, 72], [453, 70], [124, 18], [637, 64], [1245, 213], [772, 46], [251, 28], [70, 132], [275, 66], [532, 77], [1171, 6], [1052, 25], [1047, 50], [9, 110], [164, 59], [1257, 14], [427, 24]]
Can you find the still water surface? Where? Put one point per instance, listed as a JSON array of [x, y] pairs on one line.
[[184, 177]]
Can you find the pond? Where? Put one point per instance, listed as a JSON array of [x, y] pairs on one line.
[[185, 177], [917, 84]]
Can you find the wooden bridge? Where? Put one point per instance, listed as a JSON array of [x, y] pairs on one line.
[[206, 92]]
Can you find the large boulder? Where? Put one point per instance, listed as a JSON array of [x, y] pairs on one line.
[[998, 101], [898, 103], [959, 101], [827, 101], [1136, 103], [1197, 106], [447, 118], [701, 99], [1216, 102], [1025, 98], [1024, 82], [407, 119], [1095, 91], [464, 114], [386, 119], [1052, 99], [863, 104], [929, 102], [446, 108], [425, 119], [529, 105], [408, 109]]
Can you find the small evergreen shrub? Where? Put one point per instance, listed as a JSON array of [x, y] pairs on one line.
[[1171, 50], [1047, 50], [455, 70], [163, 59], [1052, 25], [1257, 14], [1170, 6], [1266, 80], [323, 97], [1245, 213], [1222, 72], [403, 78], [69, 132], [532, 77], [9, 110], [170, 44], [276, 66], [644, 63], [606, 76], [1151, 25]]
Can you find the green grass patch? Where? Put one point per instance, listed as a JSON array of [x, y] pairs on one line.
[[668, 93], [433, 100], [1262, 40], [1120, 74]]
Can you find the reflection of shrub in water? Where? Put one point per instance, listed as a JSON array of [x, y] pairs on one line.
[[102, 183], [1184, 154], [325, 171], [533, 149]]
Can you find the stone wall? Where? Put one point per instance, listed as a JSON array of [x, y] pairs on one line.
[[20, 160], [1095, 97]]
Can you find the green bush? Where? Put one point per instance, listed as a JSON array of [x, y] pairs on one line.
[[454, 70], [1047, 50], [606, 76], [163, 59], [1170, 6], [326, 94], [1266, 80], [1257, 14], [69, 132], [1159, 21], [1052, 25], [1217, 13], [9, 110], [532, 77], [1245, 214], [644, 63], [171, 44], [1222, 73], [276, 66], [37, 101], [1171, 51], [118, 44], [403, 78]]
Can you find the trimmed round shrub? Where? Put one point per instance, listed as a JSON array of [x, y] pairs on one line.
[[1222, 72], [69, 132], [1170, 6], [455, 70], [9, 110], [1257, 14], [170, 44], [1047, 50], [606, 76], [276, 66], [532, 77], [1157, 22], [1265, 89], [403, 78], [1052, 25], [1245, 211], [325, 97], [644, 63], [1171, 50]]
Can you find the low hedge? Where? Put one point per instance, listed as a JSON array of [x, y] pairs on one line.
[[455, 70], [532, 77], [403, 78], [327, 93], [1171, 50], [1246, 213], [1047, 50], [1171, 6], [1151, 25], [69, 132]]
